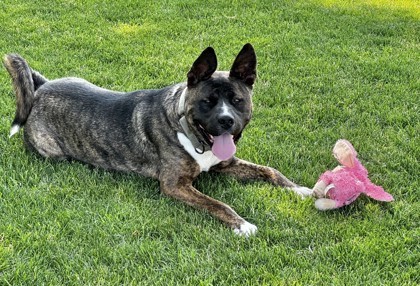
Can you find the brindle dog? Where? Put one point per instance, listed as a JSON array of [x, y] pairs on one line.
[[170, 134]]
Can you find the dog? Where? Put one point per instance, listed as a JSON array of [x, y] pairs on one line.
[[170, 134]]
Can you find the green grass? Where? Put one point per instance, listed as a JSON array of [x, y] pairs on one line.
[[327, 70]]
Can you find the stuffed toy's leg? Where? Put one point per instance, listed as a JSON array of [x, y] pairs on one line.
[[334, 202], [325, 204], [329, 204]]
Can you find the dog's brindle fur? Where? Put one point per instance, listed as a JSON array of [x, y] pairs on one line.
[[140, 131]]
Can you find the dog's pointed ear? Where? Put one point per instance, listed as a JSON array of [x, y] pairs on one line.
[[244, 67], [204, 66]]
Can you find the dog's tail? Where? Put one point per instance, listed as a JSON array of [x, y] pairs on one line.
[[25, 82]]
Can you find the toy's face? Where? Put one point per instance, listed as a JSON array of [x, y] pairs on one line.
[[344, 153]]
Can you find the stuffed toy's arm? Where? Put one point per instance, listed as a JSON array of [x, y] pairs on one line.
[[320, 189]]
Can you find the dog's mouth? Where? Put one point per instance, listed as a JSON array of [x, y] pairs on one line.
[[223, 146], [209, 139]]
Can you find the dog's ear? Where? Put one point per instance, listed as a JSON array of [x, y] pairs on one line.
[[204, 66], [244, 67]]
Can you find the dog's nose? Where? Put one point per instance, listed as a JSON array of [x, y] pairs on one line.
[[226, 121]]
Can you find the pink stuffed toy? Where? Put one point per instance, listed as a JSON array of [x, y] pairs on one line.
[[341, 186]]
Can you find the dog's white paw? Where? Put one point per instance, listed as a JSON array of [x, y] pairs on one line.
[[246, 229], [303, 191]]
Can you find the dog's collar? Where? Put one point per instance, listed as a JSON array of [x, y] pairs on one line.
[[199, 146], [181, 103]]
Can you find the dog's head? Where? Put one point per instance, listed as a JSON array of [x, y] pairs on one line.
[[218, 105]]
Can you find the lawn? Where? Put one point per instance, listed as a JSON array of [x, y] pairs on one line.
[[328, 69]]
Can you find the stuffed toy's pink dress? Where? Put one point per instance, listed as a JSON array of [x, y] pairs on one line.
[[345, 183]]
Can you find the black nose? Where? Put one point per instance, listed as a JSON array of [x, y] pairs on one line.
[[226, 121]]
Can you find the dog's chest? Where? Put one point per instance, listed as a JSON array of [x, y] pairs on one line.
[[205, 160]]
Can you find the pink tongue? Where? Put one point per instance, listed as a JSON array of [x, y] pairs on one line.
[[223, 146]]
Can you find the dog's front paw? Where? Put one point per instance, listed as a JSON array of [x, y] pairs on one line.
[[246, 229], [303, 191]]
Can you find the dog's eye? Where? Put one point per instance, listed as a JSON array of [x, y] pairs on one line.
[[236, 100], [212, 99]]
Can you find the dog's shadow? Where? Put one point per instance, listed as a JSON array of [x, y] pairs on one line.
[[77, 176], [74, 176]]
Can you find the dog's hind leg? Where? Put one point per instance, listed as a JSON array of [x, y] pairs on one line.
[[38, 138]]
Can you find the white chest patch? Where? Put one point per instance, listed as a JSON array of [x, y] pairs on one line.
[[205, 160]]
